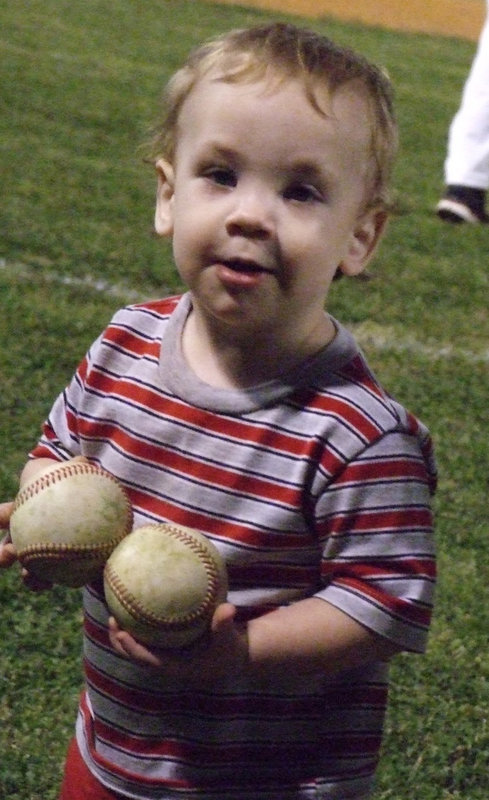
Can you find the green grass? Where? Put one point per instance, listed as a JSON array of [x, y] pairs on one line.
[[80, 85]]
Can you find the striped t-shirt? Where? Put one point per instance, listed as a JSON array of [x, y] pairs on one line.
[[317, 484]]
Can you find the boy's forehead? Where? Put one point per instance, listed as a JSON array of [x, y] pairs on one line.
[[346, 107]]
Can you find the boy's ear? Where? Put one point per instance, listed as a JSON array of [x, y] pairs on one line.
[[164, 198], [363, 241]]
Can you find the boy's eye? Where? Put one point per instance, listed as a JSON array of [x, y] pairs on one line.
[[302, 193], [223, 176]]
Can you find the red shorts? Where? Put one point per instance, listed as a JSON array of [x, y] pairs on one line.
[[78, 781]]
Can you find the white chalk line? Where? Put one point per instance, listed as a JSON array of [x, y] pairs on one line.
[[369, 334], [20, 272], [373, 336]]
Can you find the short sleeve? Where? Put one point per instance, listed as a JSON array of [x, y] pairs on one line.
[[378, 557]]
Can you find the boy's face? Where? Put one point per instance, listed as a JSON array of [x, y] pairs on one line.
[[265, 201]]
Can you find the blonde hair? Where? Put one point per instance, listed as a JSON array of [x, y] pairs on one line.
[[279, 52]]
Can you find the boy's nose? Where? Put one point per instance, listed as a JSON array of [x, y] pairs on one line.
[[251, 215]]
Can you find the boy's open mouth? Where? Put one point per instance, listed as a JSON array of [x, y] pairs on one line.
[[242, 265]]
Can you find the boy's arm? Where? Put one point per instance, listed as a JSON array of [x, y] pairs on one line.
[[314, 636], [310, 636]]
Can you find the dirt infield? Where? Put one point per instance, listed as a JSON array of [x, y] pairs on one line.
[[459, 18]]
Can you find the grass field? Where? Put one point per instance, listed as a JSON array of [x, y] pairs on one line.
[[80, 85]]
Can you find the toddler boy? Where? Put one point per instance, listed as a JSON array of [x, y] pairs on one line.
[[243, 409]]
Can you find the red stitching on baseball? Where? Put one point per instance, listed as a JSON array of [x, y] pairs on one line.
[[65, 471], [145, 615], [50, 550]]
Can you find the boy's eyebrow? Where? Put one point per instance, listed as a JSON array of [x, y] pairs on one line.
[[217, 150], [301, 169], [305, 169]]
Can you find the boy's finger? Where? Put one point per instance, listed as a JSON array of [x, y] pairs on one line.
[[7, 552], [223, 617], [5, 514]]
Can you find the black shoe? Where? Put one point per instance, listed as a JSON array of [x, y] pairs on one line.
[[463, 204]]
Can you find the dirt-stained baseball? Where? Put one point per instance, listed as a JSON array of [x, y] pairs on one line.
[[67, 520], [163, 582]]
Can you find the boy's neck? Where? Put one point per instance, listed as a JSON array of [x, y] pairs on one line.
[[246, 360]]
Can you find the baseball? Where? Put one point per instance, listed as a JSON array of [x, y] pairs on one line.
[[67, 520], [163, 582]]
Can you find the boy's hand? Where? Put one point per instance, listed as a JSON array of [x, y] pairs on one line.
[[8, 554], [7, 550], [224, 652], [31, 470]]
